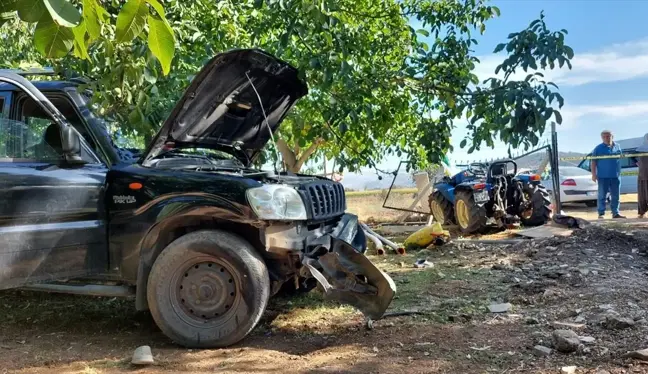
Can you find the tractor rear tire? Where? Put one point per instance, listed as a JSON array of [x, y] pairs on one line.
[[470, 217], [441, 209], [541, 205]]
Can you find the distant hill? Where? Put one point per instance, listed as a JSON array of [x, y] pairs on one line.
[[532, 161]]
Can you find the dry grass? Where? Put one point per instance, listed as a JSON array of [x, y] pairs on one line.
[[382, 192], [368, 205]]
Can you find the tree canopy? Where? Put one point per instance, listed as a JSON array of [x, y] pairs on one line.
[[378, 85]]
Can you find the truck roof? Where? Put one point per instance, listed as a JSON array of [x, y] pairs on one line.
[[41, 85]]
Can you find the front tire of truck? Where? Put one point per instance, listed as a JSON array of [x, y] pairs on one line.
[[208, 289]]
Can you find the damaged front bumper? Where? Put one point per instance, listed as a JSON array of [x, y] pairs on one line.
[[346, 274]]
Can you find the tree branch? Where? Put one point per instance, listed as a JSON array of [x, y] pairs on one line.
[[287, 153], [307, 153]]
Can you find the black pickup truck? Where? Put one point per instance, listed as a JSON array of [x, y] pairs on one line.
[[189, 228]]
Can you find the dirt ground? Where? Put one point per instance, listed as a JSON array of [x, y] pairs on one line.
[[628, 208], [595, 280]]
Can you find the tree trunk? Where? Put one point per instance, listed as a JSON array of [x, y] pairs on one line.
[[293, 160]]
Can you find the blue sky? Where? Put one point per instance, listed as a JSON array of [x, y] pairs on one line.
[[606, 87]]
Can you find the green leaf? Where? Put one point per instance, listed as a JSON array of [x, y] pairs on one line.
[[547, 114], [6, 17], [569, 52], [499, 47], [423, 32], [158, 8], [131, 20], [31, 10], [558, 117], [80, 46], [496, 10], [51, 39], [160, 11], [463, 143], [8, 5], [161, 43], [93, 16], [63, 12], [150, 76]]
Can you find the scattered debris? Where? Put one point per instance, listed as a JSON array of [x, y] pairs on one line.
[[570, 222], [375, 349], [540, 350], [500, 308], [568, 325], [423, 264], [142, 356], [565, 341]]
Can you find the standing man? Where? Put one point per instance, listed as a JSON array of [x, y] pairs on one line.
[[607, 171]]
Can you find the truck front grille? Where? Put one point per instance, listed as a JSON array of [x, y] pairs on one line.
[[326, 199]]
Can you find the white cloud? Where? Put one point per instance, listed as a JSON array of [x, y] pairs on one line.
[[573, 114], [614, 63]]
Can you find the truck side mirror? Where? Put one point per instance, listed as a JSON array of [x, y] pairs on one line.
[[71, 145]]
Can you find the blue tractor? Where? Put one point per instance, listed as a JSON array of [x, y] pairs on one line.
[[494, 193]]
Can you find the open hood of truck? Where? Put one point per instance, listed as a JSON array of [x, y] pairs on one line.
[[226, 105]]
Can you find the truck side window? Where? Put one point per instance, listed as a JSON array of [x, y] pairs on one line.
[[20, 141], [30, 112]]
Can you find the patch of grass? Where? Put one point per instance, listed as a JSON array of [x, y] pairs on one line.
[[311, 312], [109, 364], [439, 292]]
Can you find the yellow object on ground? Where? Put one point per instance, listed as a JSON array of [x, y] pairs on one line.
[[426, 235]]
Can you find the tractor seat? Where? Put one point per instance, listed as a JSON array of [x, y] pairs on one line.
[[498, 170]]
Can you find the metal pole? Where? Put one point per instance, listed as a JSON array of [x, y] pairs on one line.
[[555, 167]]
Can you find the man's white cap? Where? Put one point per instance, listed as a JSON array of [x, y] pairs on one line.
[[606, 132]]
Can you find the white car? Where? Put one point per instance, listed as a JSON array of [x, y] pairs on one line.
[[576, 185]]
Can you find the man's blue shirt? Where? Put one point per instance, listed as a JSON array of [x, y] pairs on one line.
[[611, 167]]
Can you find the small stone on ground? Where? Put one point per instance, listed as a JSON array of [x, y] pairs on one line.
[[142, 356], [641, 354], [568, 369], [617, 323], [587, 339], [565, 341], [540, 350], [500, 308]]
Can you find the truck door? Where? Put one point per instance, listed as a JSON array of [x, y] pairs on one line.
[[51, 216]]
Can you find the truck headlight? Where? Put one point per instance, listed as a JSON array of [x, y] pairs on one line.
[[276, 202]]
